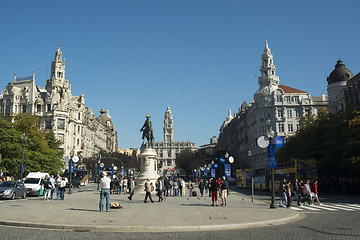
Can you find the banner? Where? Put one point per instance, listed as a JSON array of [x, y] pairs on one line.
[[271, 156], [213, 172], [227, 170]]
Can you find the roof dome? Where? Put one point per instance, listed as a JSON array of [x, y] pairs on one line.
[[340, 73]]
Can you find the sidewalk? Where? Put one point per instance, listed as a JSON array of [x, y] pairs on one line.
[[79, 212]]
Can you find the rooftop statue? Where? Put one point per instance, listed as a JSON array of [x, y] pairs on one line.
[[147, 131]]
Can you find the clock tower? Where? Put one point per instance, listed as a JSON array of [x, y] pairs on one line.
[[168, 126]]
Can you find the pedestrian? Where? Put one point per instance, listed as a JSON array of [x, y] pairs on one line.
[[206, 186], [125, 182], [283, 196], [52, 180], [299, 189], [175, 188], [121, 183], [104, 192], [316, 193], [132, 188], [218, 184], [57, 186], [159, 189], [148, 189], [183, 185], [190, 187], [224, 191], [62, 188], [117, 185], [201, 186], [213, 189], [47, 188], [288, 194], [306, 192]]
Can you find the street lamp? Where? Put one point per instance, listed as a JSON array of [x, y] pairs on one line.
[[98, 171], [72, 153], [23, 144], [271, 152]]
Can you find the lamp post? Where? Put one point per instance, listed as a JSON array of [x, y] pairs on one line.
[[98, 171], [23, 144], [271, 152], [71, 168]]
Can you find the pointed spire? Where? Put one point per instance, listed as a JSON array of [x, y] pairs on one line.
[[267, 49]]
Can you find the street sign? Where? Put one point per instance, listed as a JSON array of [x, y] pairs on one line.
[[279, 142], [115, 168], [231, 159], [213, 172], [263, 142], [216, 165], [75, 159], [66, 159], [271, 156], [222, 159], [227, 170]]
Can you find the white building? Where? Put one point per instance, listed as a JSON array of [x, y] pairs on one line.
[[168, 149], [72, 122], [277, 107]]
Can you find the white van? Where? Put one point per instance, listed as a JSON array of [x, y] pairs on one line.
[[32, 182]]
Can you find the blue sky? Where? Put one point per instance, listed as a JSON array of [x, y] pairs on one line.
[[198, 57]]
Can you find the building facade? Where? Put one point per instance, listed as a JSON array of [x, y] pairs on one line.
[[168, 149], [73, 123], [275, 107], [343, 89]]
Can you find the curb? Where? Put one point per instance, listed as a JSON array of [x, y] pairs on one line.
[[82, 228]]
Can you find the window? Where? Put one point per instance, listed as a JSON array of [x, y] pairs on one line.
[[289, 113], [60, 137], [79, 129], [278, 98], [38, 108], [297, 113], [48, 123], [290, 128], [79, 116], [24, 109], [78, 142], [297, 127], [281, 127], [48, 107], [61, 123], [307, 111], [296, 99], [169, 162], [287, 99], [280, 113]]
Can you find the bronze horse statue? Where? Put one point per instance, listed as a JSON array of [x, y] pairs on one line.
[[147, 131]]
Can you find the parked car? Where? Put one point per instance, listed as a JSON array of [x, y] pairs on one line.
[[12, 189]]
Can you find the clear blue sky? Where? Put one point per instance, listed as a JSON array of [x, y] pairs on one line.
[[198, 57]]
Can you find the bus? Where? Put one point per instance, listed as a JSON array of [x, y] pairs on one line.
[[296, 168]]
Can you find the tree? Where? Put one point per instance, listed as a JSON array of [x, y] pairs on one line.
[[40, 153], [188, 160]]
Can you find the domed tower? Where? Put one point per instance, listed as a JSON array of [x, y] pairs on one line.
[[336, 84]]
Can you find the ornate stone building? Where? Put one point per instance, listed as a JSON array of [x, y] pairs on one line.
[[343, 89], [277, 107], [168, 149], [73, 123]]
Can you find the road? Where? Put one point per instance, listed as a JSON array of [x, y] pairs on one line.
[[335, 219]]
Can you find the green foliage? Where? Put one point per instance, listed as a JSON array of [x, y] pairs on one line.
[[41, 150], [334, 141], [188, 160]]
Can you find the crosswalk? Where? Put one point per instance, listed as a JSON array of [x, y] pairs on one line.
[[348, 207]]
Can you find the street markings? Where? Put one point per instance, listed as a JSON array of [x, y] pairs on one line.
[[328, 207]]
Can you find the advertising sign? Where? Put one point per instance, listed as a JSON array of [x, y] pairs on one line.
[[213, 172], [227, 170]]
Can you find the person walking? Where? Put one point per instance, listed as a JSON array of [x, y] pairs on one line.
[[125, 182], [62, 188], [316, 193], [57, 186], [306, 192], [52, 180], [224, 191], [104, 192], [283, 197], [201, 186], [176, 188], [132, 188], [183, 186], [288, 194], [190, 187], [213, 189], [47, 188], [148, 189], [299, 189]]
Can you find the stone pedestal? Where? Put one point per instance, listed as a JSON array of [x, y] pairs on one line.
[[148, 167]]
